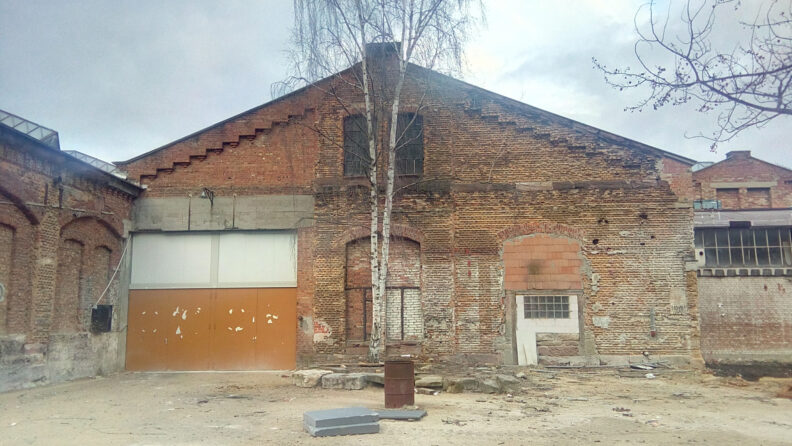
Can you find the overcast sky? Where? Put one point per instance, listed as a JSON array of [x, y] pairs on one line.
[[119, 78]]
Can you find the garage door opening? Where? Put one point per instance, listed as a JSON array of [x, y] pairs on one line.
[[212, 301]]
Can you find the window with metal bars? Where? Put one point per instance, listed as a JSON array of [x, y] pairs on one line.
[[745, 247], [546, 307], [356, 150], [409, 144]]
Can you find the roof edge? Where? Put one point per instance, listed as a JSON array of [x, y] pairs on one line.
[[618, 139], [751, 157]]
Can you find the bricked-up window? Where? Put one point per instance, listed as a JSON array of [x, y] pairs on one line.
[[409, 144], [745, 247], [546, 307], [356, 149], [729, 198]]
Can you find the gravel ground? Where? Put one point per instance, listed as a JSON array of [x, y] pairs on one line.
[[564, 407]]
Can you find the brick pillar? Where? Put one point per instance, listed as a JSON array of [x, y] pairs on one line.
[[44, 277]]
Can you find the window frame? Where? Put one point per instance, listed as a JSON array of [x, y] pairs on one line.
[[359, 166], [546, 306], [756, 247], [409, 150]]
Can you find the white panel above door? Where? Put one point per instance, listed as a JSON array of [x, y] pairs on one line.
[[214, 260], [266, 259], [171, 261]]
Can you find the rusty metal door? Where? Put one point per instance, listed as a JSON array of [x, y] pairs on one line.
[[212, 329]]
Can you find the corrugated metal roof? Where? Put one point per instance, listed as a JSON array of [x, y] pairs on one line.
[[721, 219]]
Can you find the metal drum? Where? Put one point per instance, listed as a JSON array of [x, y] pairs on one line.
[[399, 384]]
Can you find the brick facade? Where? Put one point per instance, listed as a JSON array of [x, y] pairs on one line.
[[746, 319], [745, 307], [61, 227], [744, 182], [494, 170]]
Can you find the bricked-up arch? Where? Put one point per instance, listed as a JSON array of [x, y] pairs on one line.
[[89, 249], [16, 201], [542, 262], [397, 230], [17, 235], [404, 315], [70, 277], [6, 266]]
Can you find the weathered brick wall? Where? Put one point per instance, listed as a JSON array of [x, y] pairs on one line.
[[404, 271], [746, 319], [740, 167], [680, 177], [729, 198], [62, 226], [494, 170]]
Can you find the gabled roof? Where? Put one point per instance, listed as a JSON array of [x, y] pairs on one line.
[[720, 163], [502, 100]]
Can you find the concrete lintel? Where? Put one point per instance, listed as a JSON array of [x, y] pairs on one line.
[[223, 212], [743, 184]]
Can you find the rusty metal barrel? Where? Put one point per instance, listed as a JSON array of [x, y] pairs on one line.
[[399, 383]]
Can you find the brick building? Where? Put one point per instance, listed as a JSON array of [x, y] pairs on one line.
[[62, 231], [518, 236], [743, 230]]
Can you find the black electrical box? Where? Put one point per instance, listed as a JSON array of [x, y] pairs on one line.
[[101, 318]]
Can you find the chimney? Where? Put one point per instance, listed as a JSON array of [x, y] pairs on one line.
[[381, 50], [738, 154]]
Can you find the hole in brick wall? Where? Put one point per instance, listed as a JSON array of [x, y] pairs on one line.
[[652, 237], [643, 216], [595, 241], [602, 221]]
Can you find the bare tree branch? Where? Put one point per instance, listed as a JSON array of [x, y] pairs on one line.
[[747, 84]]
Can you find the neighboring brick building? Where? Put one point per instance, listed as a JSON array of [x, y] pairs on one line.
[[517, 233], [743, 242], [62, 230]]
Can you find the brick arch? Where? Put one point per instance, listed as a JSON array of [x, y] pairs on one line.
[[89, 267], [19, 226], [81, 220], [549, 228], [20, 205], [397, 230]]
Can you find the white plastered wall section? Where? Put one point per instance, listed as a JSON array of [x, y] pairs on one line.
[[255, 259], [526, 329]]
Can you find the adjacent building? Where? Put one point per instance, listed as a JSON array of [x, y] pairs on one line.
[[63, 226], [743, 239]]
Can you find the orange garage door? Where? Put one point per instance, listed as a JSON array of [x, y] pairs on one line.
[[212, 329]]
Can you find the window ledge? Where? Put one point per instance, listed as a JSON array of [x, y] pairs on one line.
[[744, 272]]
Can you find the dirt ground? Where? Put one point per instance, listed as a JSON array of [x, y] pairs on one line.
[[563, 407]]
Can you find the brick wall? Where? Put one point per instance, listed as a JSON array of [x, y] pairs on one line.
[[494, 170], [403, 310], [755, 184], [542, 262], [61, 226], [746, 319], [680, 177]]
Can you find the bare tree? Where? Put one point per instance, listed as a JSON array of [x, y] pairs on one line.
[[711, 57], [332, 35]]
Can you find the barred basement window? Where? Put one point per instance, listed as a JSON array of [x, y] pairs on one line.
[[356, 149], [743, 247], [546, 307], [409, 144]]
